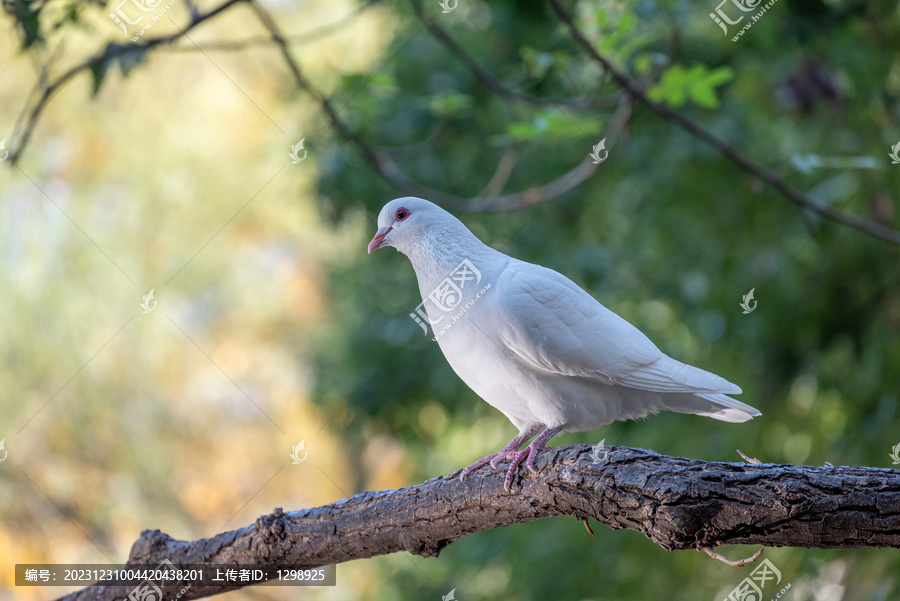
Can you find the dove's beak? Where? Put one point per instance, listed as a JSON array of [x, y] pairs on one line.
[[378, 241]]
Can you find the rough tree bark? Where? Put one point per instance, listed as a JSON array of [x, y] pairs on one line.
[[680, 504]]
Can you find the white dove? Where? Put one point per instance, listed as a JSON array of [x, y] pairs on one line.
[[533, 344]]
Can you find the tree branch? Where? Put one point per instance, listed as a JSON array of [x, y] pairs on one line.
[[494, 84], [770, 177], [113, 50], [382, 163], [381, 160], [417, 149], [502, 173], [305, 37], [679, 504]]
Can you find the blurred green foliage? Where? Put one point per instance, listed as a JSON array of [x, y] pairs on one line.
[[281, 306]]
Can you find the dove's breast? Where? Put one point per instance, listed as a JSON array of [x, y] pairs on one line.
[[476, 359], [489, 372]]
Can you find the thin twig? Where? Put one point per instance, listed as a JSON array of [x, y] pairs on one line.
[[767, 175], [752, 460], [415, 151], [292, 40], [492, 83], [733, 563], [502, 173], [384, 165], [517, 200], [587, 526]]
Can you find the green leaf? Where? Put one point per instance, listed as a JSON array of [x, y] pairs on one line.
[[98, 72], [128, 56], [719, 76], [643, 63], [384, 81], [131, 57], [537, 63], [70, 14], [27, 17], [704, 95], [446, 104], [31, 26], [552, 123], [626, 23], [698, 84]]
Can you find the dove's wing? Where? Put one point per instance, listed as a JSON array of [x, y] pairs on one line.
[[552, 325]]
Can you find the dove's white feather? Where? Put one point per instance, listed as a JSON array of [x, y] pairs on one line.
[[538, 347]]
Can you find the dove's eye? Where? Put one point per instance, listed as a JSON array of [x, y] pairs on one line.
[[401, 214]]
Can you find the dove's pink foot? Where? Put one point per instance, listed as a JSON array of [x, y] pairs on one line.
[[507, 452], [531, 451]]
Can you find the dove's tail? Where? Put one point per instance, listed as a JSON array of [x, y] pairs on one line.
[[716, 406], [693, 390]]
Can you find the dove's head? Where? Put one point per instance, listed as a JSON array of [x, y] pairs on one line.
[[406, 223]]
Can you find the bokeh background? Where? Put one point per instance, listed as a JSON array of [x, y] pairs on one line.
[[169, 170]]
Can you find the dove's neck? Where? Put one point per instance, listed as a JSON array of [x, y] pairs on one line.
[[444, 247]]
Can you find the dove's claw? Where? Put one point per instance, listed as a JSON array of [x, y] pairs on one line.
[[478, 464], [517, 458], [507, 453], [528, 454]]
